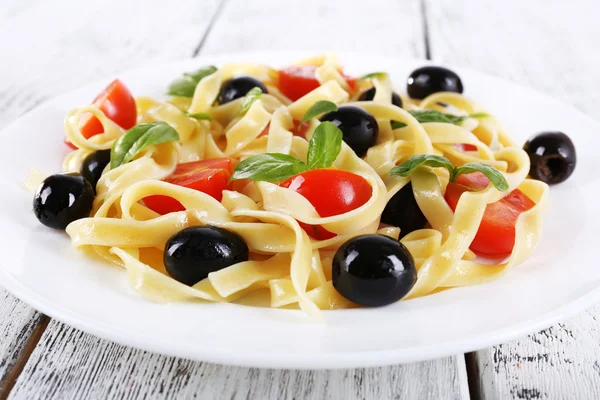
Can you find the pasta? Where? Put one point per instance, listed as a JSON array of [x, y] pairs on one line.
[[287, 267]]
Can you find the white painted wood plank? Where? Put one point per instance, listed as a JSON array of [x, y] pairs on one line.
[[71, 364], [562, 362], [546, 45], [61, 45], [17, 323], [386, 26], [68, 364]]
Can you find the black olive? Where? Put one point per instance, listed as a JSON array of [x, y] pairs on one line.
[[373, 270], [62, 199], [194, 252], [358, 126], [238, 87], [552, 156], [93, 165], [403, 211], [370, 95], [431, 79]]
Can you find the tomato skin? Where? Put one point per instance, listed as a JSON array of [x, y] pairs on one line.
[[117, 103], [207, 176], [297, 130], [331, 192], [465, 147], [352, 82], [297, 80], [496, 233]]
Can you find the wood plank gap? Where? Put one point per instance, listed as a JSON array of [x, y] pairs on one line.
[[210, 26], [473, 378], [13, 373], [425, 29]]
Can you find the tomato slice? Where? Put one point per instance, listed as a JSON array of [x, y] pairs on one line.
[[117, 103], [465, 147], [496, 233], [207, 176], [331, 192], [297, 129], [297, 80]]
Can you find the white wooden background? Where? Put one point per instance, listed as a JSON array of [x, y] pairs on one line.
[[47, 48]]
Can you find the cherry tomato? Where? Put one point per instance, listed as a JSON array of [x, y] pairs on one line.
[[117, 103], [301, 132], [331, 192], [297, 80], [465, 147], [207, 176], [496, 234]]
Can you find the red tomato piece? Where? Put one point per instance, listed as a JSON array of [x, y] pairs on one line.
[[295, 131], [297, 80], [300, 130], [207, 176], [496, 234], [352, 82], [465, 147], [331, 192], [117, 103]]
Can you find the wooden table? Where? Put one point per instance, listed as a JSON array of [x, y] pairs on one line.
[[48, 48]]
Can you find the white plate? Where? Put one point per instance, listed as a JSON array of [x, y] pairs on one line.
[[40, 267]]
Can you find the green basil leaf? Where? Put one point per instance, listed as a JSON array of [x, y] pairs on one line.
[[424, 116], [430, 160], [138, 138], [186, 85], [398, 124], [320, 107], [268, 167], [200, 116], [492, 173], [324, 146], [253, 94], [373, 75]]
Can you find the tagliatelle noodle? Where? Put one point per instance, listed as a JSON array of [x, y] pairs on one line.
[[286, 265]]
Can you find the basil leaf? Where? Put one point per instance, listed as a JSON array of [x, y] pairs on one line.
[[408, 167], [253, 94], [430, 160], [424, 116], [492, 174], [320, 107], [138, 138], [324, 146], [200, 116], [186, 85], [268, 167], [373, 75], [398, 124]]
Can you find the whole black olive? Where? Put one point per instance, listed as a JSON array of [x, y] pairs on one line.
[[93, 165], [370, 95], [373, 270], [194, 252], [63, 198], [552, 156], [403, 211], [359, 128], [431, 79], [239, 87]]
